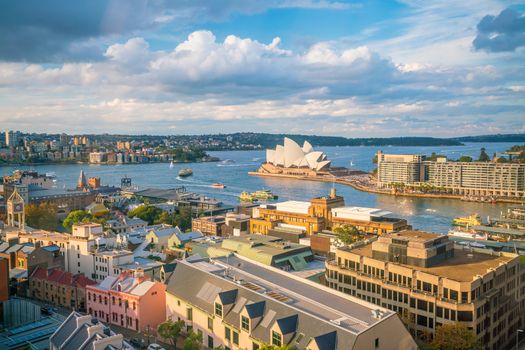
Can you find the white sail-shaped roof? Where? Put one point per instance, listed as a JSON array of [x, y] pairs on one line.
[[307, 147], [270, 156], [292, 152], [279, 155], [292, 155]]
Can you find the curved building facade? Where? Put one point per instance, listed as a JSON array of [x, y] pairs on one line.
[[291, 155]]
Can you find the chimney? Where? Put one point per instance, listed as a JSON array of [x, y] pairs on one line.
[[333, 193]]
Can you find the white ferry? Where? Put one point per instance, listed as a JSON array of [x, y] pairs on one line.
[[467, 234]]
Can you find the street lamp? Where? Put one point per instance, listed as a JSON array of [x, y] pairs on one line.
[[518, 337]]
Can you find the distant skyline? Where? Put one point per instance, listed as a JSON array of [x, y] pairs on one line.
[[353, 69]]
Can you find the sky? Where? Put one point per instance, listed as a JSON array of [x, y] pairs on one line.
[[325, 67]]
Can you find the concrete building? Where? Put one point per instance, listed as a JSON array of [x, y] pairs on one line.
[[459, 178], [209, 225], [59, 288], [129, 300], [430, 282], [321, 213], [239, 304], [83, 332]]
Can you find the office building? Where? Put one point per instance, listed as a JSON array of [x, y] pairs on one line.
[[399, 168], [238, 304], [430, 282]]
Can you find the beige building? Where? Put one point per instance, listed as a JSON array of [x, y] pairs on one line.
[[460, 178], [429, 282], [240, 304]]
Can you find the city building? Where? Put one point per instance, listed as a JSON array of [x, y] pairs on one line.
[[430, 282], [459, 178], [126, 225], [128, 300], [4, 283], [83, 332], [59, 288], [209, 225], [321, 213], [238, 304]]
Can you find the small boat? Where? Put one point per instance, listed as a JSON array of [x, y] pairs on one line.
[[217, 185], [467, 234], [228, 161], [185, 172], [171, 165], [471, 220]]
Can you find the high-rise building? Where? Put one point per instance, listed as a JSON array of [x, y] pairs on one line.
[[429, 282], [399, 168], [11, 138]]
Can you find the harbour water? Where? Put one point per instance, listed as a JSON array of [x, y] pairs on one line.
[[427, 214]]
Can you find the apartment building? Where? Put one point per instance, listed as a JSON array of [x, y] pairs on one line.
[[461, 178], [129, 300], [401, 168], [59, 288], [321, 213], [429, 282], [238, 304]]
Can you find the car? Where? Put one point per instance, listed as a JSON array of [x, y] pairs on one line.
[[45, 310], [137, 343], [155, 346]]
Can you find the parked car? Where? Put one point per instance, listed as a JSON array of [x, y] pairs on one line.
[[155, 346]]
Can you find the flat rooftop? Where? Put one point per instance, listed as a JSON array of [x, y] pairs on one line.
[[414, 236], [298, 207], [362, 211], [309, 297], [462, 267]]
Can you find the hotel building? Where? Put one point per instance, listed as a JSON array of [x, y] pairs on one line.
[[430, 282], [321, 213], [239, 304]]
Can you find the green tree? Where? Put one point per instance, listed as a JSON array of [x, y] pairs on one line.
[[273, 347], [193, 341], [465, 159], [76, 217], [347, 234], [42, 216], [147, 213], [483, 156], [170, 330], [455, 336]]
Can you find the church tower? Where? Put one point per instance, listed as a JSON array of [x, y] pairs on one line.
[[15, 210]]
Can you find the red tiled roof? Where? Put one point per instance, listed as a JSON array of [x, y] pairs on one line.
[[62, 277]]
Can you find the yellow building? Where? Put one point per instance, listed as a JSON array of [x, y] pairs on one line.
[[239, 304], [429, 282], [321, 213]]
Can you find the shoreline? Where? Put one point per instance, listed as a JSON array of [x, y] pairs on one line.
[[371, 190], [105, 163]]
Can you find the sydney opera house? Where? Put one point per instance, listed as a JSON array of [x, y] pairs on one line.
[[292, 159]]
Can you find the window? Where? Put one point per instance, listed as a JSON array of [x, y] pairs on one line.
[[276, 339], [255, 346], [210, 323], [227, 333], [235, 338], [376, 343], [245, 323], [189, 314], [218, 309], [210, 342]]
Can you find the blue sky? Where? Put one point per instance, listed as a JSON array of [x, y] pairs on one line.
[[356, 69]]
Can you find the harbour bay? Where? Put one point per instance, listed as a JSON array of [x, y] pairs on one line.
[[427, 214]]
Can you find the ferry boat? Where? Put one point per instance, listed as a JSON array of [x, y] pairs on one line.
[[217, 185], [471, 220], [265, 195], [247, 197], [468, 234], [185, 172]]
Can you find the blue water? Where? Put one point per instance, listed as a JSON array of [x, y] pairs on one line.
[[426, 214]]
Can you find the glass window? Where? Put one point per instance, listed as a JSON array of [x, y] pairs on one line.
[[218, 309], [276, 339], [235, 338], [245, 323], [227, 333], [210, 323]]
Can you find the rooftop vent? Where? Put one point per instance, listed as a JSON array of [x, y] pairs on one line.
[[377, 313]]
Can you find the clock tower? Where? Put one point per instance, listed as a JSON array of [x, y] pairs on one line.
[[15, 210]]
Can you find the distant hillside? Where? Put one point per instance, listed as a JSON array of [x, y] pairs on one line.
[[493, 138], [270, 140]]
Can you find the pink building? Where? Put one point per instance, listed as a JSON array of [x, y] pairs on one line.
[[130, 301]]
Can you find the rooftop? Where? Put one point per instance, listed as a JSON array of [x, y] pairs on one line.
[[299, 207], [319, 309], [463, 266], [414, 236], [361, 211]]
